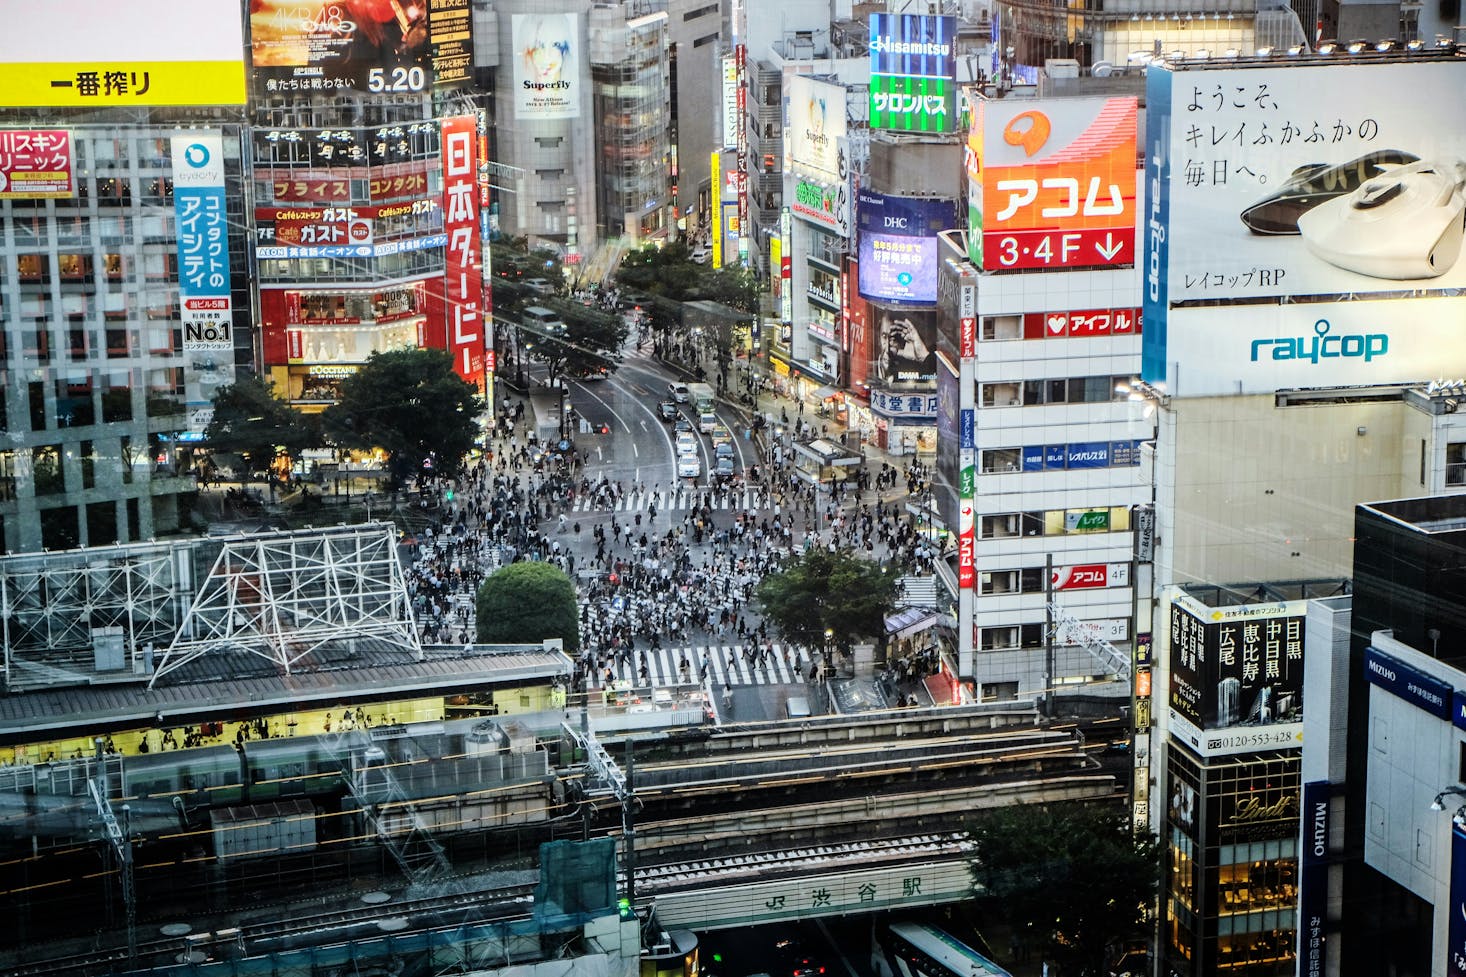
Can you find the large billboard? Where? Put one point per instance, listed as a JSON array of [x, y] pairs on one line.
[[913, 67], [1236, 674], [898, 246], [1052, 183], [463, 275], [1314, 183], [905, 346], [36, 163], [376, 46], [203, 241], [547, 66], [93, 54], [816, 125]]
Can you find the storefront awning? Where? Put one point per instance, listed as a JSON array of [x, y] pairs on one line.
[[826, 393]]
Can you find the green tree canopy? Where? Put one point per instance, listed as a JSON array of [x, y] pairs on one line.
[[252, 420], [411, 404], [1074, 875], [592, 339], [840, 592], [670, 272], [526, 603]]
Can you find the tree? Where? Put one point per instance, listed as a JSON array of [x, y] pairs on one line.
[[591, 340], [528, 602], [411, 404], [1074, 875], [839, 592], [251, 419]]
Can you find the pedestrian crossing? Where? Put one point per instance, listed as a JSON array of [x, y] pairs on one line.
[[726, 665], [671, 500]]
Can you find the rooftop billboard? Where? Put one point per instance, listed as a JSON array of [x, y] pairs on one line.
[[1317, 185], [1051, 183], [913, 67], [94, 54]]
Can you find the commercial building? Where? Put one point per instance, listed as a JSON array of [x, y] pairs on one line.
[[1043, 455], [123, 284], [1288, 337]]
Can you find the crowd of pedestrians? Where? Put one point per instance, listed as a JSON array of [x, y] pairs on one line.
[[647, 577]]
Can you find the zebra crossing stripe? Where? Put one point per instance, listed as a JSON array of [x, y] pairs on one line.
[[726, 666]]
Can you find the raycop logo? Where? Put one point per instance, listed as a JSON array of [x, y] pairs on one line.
[[1157, 229], [1323, 346]]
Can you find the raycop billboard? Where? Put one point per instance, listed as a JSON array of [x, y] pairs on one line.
[[898, 246], [913, 67], [1051, 183], [99, 53], [1301, 191], [1236, 674]]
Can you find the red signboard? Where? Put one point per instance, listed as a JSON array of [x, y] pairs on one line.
[[463, 278], [1093, 322], [35, 163], [965, 574], [1056, 182], [1091, 575], [969, 337]]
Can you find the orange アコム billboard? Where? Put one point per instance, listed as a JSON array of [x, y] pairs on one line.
[[1051, 184]]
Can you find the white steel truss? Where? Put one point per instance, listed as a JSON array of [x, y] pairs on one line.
[[54, 606], [283, 596]]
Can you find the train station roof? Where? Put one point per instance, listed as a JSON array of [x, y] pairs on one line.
[[222, 687]]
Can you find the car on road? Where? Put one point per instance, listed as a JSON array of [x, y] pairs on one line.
[[721, 434], [724, 450], [677, 391], [688, 466], [686, 443], [701, 254], [667, 410], [682, 424], [724, 469]]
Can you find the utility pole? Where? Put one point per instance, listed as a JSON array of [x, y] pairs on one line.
[[1049, 636]]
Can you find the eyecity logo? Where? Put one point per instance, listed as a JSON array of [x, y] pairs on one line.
[[1322, 346]]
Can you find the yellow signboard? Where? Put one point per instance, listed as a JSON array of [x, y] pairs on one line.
[[104, 54], [112, 83], [717, 229]]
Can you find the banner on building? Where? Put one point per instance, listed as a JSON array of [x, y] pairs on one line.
[[36, 163], [913, 68], [547, 66], [98, 54], [203, 241], [463, 274]]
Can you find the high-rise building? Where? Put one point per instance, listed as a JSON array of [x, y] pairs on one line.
[[123, 280]]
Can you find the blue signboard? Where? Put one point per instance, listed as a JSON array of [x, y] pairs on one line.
[[1410, 684], [913, 45], [969, 428], [882, 213], [1090, 454], [1033, 458], [1054, 456], [1313, 880], [1156, 220]]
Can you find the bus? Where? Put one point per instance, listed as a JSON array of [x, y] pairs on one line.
[[919, 950]]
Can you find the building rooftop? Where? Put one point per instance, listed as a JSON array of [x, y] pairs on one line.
[[1441, 514], [229, 684]]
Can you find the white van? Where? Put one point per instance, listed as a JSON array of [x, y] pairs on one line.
[[542, 320]]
